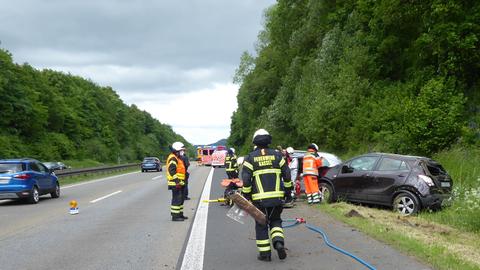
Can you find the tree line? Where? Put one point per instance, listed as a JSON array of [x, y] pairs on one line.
[[50, 115], [363, 75]]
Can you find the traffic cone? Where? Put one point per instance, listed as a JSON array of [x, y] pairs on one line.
[[73, 207]]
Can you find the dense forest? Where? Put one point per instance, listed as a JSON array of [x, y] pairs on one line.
[[50, 115], [363, 75]]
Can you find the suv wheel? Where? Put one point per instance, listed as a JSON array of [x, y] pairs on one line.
[[406, 204], [56, 193], [326, 191], [34, 197]]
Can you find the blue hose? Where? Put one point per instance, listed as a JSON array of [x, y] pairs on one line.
[[327, 241]]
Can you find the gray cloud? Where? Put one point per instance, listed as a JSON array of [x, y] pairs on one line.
[[140, 48]]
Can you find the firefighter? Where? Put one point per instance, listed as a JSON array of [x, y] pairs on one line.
[[176, 174], [266, 182], [231, 166], [311, 163], [293, 165]]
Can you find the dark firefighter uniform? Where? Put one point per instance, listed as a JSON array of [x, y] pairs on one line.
[[231, 166], [266, 179], [176, 173]]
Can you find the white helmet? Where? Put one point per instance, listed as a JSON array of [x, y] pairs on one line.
[[233, 150], [290, 150], [313, 146], [260, 132], [177, 146]]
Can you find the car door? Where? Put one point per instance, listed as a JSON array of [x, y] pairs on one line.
[[355, 177], [390, 173], [49, 181], [40, 176]]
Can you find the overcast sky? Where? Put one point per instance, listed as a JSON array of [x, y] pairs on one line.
[[164, 56]]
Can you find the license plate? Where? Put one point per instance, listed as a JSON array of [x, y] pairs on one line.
[[4, 181], [445, 184]]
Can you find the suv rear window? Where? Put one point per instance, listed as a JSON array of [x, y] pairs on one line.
[[11, 167], [435, 168]]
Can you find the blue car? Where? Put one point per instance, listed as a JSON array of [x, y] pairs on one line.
[[151, 164], [26, 179]]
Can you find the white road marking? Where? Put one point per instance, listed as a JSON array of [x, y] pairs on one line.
[[154, 178], [194, 253], [96, 181], [106, 196]]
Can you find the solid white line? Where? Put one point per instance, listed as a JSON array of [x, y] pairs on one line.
[[106, 196], [193, 257], [154, 178], [96, 181]]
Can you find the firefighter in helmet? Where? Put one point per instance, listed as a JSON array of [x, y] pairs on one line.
[[176, 175], [311, 163], [267, 182], [231, 166]]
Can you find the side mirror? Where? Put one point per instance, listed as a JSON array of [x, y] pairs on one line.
[[51, 170], [346, 169]]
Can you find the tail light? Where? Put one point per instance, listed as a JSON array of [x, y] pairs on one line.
[[23, 176], [427, 180]]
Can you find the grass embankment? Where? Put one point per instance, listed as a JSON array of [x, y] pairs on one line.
[[86, 163], [442, 246], [78, 164], [446, 239], [93, 176]]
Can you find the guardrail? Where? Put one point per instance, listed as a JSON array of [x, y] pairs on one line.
[[74, 172]]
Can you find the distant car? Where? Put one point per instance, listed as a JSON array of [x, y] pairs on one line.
[[27, 179], [406, 183], [56, 165], [151, 164]]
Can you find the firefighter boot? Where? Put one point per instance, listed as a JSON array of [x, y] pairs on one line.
[[265, 258], [178, 219], [282, 254]]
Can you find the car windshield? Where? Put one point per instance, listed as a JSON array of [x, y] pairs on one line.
[[149, 160], [10, 167], [49, 164]]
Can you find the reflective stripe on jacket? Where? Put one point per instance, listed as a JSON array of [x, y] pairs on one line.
[[311, 163], [175, 170], [231, 163], [266, 176]]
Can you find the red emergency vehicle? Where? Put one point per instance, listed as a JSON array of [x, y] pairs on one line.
[[207, 153], [218, 157]]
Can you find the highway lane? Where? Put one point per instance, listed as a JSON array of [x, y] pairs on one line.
[[231, 245], [130, 229], [124, 223]]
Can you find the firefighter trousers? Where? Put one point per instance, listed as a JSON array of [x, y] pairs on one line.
[[271, 231], [311, 188], [176, 208]]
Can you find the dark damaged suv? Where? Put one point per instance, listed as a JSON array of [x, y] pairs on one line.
[[408, 183]]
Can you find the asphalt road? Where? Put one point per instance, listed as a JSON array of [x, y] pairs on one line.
[[124, 223]]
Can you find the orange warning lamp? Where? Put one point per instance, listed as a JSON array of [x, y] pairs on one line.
[[73, 204]]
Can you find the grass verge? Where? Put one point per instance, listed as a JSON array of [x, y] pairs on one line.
[[93, 176], [439, 245]]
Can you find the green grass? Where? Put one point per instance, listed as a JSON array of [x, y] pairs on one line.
[[464, 212], [435, 255], [86, 163], [93, 176]]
